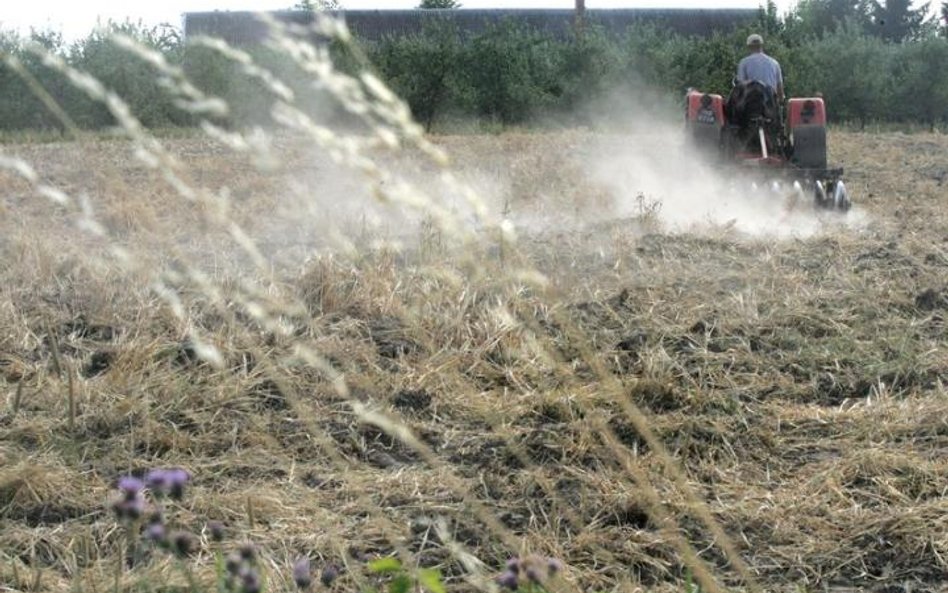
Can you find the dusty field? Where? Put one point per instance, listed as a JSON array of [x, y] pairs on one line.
[[796, 379]]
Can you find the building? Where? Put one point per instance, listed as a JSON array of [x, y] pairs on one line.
[[244, 28]]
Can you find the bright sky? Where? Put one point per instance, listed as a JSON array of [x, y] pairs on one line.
[[75, 18]]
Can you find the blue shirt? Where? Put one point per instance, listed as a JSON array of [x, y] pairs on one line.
[[762, 68]]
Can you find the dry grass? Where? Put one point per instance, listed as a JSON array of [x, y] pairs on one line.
[[352, 368], [798, 383]]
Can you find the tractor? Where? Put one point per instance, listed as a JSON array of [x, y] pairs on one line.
[[748, 130]]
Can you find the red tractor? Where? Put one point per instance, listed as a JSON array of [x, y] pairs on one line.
[[748, 129]]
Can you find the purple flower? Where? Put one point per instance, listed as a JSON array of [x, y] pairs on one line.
[[234, 563], [217, 531], [301, 573], [508, 580], [130, 507], [130, 487], [157, 480], [183, 544], [513, 565], [329, 575], [251, 582], [177, 479], [168, 482], [533, 574], [157, 533], [248, 552], [553, 565]]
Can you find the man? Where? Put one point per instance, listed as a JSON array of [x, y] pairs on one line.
[[760, 67]]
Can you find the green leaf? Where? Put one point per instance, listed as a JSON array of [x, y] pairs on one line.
[[400, 584], [385, 565], [430, 579]]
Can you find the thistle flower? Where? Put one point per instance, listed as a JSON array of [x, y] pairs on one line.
[[329, 575], [248, 552], [216, 529], [508, 580], [301, 573], [250, 582], [157, 480], [168, 482], [130, 487], [533, 575], [234, 563], [156, 533], [183, 544], [131, 505], [554, 566], [532, 569], [177, 479]]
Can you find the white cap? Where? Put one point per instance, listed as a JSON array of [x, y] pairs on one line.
[[755, 39]]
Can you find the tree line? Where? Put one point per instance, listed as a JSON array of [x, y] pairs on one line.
[[872, 61]]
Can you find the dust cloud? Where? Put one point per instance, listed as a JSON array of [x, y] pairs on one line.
[[649, 166], [632, 161]]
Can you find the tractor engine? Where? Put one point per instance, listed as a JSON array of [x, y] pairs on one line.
[[704, 119]]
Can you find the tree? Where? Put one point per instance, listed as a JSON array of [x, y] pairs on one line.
[[427, 4], [768, 19], [896, 20], [922, 85], [944, 19], [853, 71], [314, 5], [423, 68], [815, 18]]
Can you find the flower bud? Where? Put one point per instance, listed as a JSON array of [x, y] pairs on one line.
[[508, 580], [329, 575], [250, 582], [216, 529], [183, 544], [156, 532], [301, 573]]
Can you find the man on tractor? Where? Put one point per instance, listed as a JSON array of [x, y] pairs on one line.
[[760, 67], [753, 108]]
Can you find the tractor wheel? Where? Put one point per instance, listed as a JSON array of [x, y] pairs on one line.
[[819, 190], [841, 202]]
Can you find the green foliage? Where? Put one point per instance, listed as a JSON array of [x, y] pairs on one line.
[[768, 19], [816, 18], [921, 83], [399, 579], [385, 566], [431, 580], [97, 55], [852, 71], [509, 72], [429, 4], [129, 77], [896, 20], [423, 69], [313, 6], [506, 74]]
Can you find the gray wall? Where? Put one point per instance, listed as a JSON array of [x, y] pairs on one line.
[[242, 28]]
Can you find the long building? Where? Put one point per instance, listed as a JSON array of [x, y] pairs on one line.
[[244, 28]]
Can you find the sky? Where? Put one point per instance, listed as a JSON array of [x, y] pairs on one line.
[[75, 18]]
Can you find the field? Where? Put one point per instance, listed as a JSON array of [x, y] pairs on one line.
[[645, 381]]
